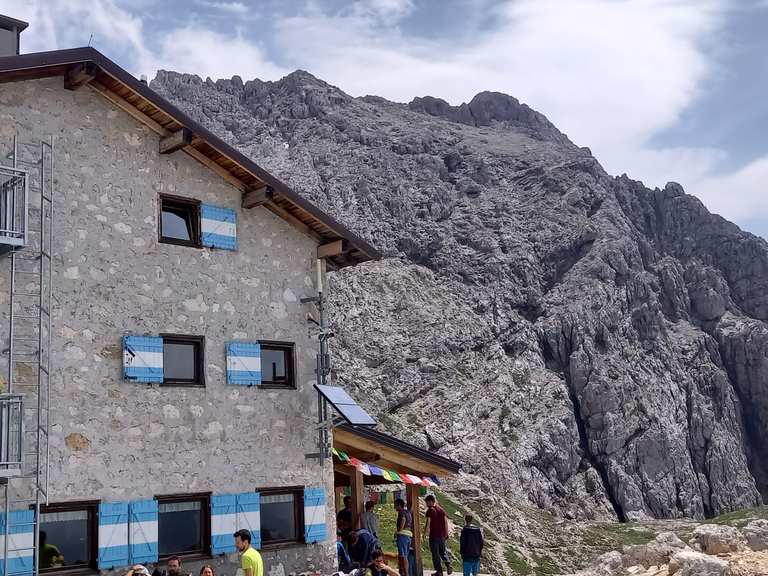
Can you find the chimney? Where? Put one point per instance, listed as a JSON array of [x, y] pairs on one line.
[[10, 30]]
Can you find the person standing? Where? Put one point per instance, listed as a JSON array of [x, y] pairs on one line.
[[436, 527], [344, 518], [250, 559], [369, 520], [404, 535], [471, 546], [172, 568]]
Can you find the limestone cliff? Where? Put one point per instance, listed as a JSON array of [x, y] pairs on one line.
[[574, 339]]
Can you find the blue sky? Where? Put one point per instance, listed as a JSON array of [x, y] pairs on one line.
[[660, 89]]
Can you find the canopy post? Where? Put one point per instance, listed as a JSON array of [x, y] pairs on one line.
[[412, 491], [358, 496]]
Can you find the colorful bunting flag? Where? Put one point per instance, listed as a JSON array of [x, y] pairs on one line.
[[375, 470], [386, 475], [364, 468], [414, 479], [405, 478], [395, 476], [391, 475]]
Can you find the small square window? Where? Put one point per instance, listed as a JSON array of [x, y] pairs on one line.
[[179, 221], [182, 524], [277, 365], [282, 512], [68, 536], [183, 360]]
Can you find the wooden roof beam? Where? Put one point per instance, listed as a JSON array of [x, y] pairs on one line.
[[79, 75], [175, 141], [257, 197], [330, 249]]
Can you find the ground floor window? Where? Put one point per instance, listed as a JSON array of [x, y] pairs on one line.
[[282, 512], [68, 536], [183, 524]]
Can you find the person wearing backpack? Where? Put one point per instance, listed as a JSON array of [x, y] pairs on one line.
[[471, 546]]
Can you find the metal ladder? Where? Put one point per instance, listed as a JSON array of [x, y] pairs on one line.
[[29, 350]]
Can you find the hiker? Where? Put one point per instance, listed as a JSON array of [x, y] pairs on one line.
[[172, 568], [378, 566], [471, 546], [207, 570], [50, 555], [250, 559], [436, 527], [369, 520], [345, 564], [404, 535], [361, 547], [138, 570], [344, 516]]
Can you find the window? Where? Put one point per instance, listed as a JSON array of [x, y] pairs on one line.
[[68, 536], [282, 512], [183, 524], [277, 365], [183, 360], [179, 221]]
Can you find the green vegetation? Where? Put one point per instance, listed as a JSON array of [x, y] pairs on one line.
[[741, 518], [516, 561], [607, 536], [545, 565]]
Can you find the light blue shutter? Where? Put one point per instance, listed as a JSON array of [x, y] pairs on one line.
[[314, 515], [218, 227], [244, 363], [20, 534], [223, 523], [249, 515], [143, 358], [143, 531], [113, 535]]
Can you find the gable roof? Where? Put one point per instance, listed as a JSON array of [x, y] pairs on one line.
[[80, 66]]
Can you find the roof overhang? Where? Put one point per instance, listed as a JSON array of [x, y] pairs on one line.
[[80, 67], [375, 447]]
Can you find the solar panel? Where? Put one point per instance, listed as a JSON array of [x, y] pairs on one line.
[[345, 405]]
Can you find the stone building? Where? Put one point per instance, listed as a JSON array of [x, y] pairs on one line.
[[180, 403]]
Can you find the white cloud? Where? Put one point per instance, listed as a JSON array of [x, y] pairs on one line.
[[203, 52], [741, 196], [233, 7]]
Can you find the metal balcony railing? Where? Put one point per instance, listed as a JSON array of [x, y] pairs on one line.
[[14, 204], [11, 434]]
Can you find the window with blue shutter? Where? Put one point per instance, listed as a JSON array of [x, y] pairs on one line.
[[314, 515], [223, 523], [218, 227], [244, 363], [143, 531], [249, 516], [20, 535], [143, 359], [113, 535]]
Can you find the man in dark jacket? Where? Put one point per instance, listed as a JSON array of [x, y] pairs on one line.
[[362, 545], [471, 546]]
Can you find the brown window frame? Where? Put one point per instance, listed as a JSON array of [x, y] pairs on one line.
[[92, 507], [205, 518], [298, 515], [199, 380], [290, 365], [181, 203]]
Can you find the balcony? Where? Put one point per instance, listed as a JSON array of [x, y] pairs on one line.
[[11, 431], [14, 187]]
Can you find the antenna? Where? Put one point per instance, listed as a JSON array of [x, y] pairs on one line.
[[90, 40]]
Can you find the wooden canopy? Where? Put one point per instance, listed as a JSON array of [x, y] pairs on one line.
[[373, 447], [81, 67]]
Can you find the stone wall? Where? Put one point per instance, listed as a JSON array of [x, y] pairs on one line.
[[115, 440]]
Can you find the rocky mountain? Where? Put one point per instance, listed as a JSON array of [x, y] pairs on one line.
[[578, 341]]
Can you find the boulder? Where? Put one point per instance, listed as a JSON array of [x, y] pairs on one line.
[[692, 563], [716, 539], [657, 551], [756, 533]]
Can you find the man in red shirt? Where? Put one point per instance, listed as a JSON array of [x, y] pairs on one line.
[[437, 529]]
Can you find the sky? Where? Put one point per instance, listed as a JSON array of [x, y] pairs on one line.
[[662, 90]]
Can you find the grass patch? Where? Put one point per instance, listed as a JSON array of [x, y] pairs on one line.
[[613, 535], [545, 565], [516, 561], [740, 518]]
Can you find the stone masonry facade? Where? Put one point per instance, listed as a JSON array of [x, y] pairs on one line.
[[117, 440]]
